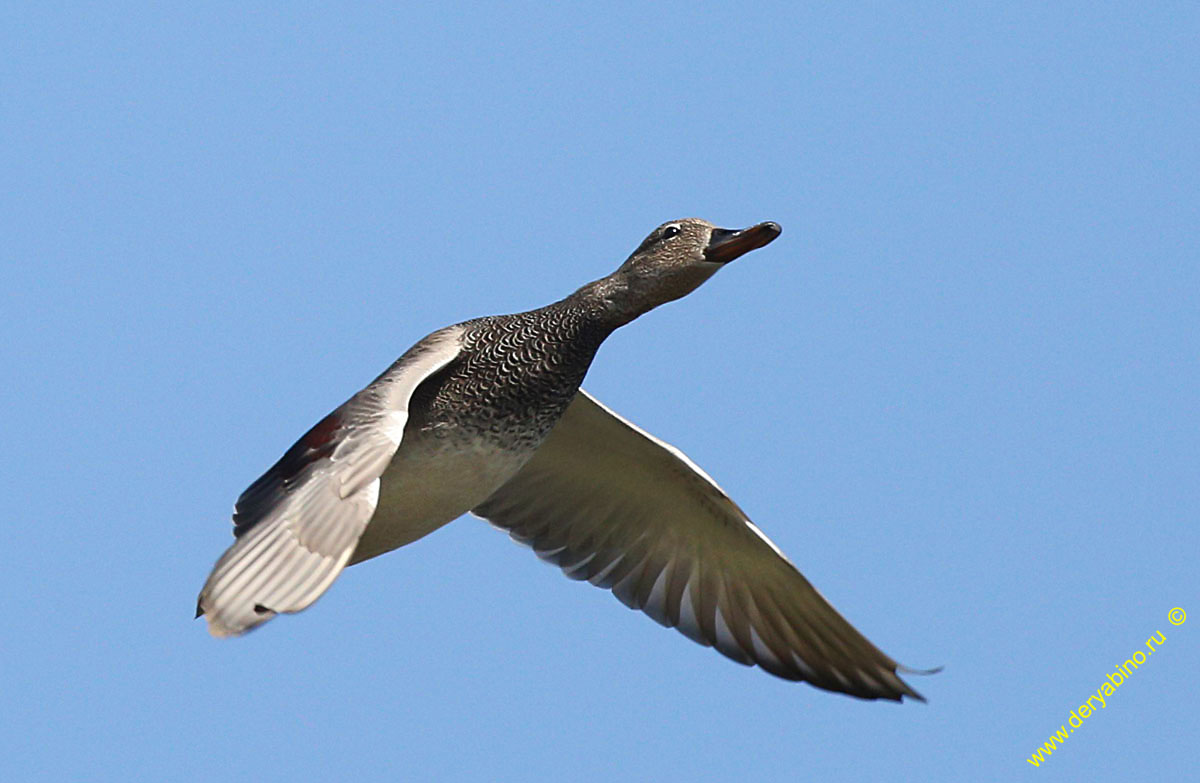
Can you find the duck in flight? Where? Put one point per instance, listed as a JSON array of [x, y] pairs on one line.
[[488, 416]]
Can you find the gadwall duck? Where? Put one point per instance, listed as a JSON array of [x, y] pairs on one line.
[[487, 416]]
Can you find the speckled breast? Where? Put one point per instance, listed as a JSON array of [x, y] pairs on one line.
[[474, 424]]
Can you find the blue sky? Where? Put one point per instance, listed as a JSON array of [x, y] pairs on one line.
[[960, 390]]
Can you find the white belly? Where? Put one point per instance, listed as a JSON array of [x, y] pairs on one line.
[[430, 482]]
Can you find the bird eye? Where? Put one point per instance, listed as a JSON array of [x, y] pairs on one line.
[[670, 231]]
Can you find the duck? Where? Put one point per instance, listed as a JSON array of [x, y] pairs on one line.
[[488, 417]]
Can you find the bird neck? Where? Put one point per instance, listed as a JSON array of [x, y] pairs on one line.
[[611, 301]]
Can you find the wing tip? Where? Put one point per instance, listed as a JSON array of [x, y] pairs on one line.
[[920, 672], [898, 692], [892, 688], [221, 627], [896, 688], [908, 689], [911, 693], [227, 620], [219, 630]]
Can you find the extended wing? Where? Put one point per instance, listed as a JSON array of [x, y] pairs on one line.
[[611, 504], [298, 524]]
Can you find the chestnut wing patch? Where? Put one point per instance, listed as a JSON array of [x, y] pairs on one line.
[[270, 488]]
